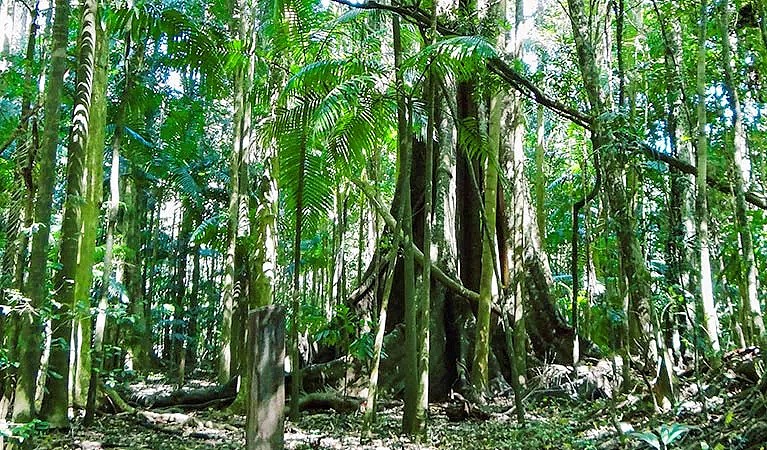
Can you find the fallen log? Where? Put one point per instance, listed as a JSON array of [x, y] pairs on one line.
[[319, 401], [188, 398], [460, 409], [119, 405]]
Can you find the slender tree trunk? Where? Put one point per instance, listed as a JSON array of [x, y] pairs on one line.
[[540, 174], [710, 319], [372, 398], [139, 339], [14, 261], [423, 303], [479, 370], [30, 335], [360, 239], [179, 288], [404, 147], [193, 329], [112, 210], [228, 288]]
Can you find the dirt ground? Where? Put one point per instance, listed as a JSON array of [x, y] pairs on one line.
[[726, 411]]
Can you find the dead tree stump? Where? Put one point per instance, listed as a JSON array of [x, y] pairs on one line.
[[264, 428]]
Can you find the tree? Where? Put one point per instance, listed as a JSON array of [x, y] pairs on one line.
[[754, 324], [29, 336], [56, 400], [710, 320]]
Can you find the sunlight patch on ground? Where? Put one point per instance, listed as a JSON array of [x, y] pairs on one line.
[[316, 439]]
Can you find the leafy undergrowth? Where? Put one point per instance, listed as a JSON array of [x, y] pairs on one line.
[[733, 418]]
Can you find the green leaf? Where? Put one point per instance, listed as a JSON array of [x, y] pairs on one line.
[[646, 436]]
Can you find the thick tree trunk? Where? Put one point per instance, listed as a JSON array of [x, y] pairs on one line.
[[56, 399], [93, 177], [30, 335], [139, 338]]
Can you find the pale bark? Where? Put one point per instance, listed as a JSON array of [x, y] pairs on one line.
[[710, 318], [741, 177]]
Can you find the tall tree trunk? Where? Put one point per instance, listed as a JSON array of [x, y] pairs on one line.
[[56, 399], [139, 339], [193, 329], [710, 318], [110, 224], [741, 176], [93, 177], [411, 412], [30, 335], [14, 261], [423, 303], [228, 288], [179, 285], [479, 369]]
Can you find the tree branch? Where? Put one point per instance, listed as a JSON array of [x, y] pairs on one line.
[[757, 199], [495, 65], [524, 86], [449, 282]]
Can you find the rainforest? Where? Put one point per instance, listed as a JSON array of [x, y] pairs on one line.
[[383, 224]]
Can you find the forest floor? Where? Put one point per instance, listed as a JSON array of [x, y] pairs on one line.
[[735, 417]]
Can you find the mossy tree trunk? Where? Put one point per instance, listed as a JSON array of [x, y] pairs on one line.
[[56, 399], [35, 287], [93, 176]]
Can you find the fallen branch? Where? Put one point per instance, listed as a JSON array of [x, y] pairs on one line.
[[189, 398], [328, 401], [120, 405]]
